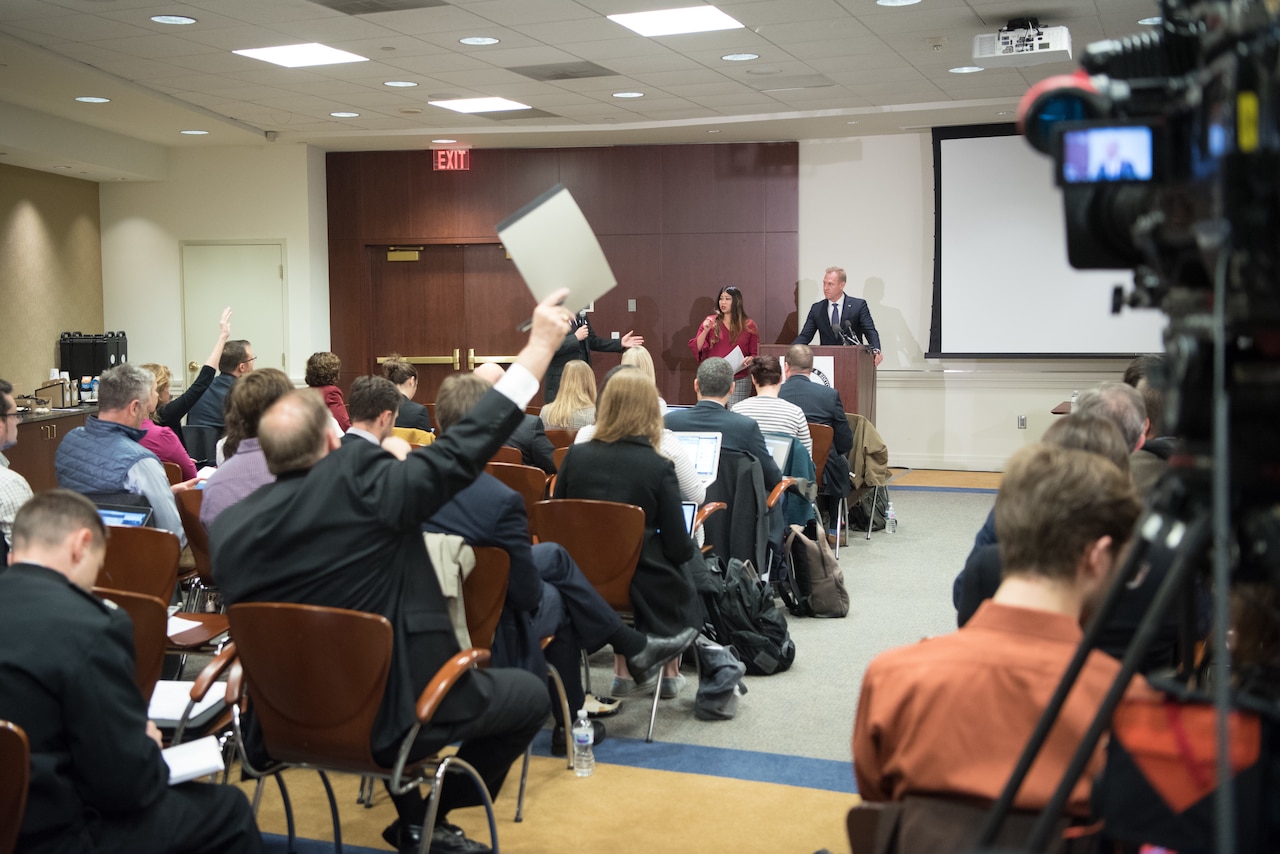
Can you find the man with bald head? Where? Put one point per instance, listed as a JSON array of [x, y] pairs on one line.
[[341, 527]]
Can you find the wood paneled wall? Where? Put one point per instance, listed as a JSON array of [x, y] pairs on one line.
[[676, 223]]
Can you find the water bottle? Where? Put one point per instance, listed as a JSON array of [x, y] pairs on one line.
[[93, 389], [584, 735], [890, 519], [1075, 396]]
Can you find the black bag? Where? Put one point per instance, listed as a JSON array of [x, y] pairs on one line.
[[741, 613], [874, 505], [818, 585]]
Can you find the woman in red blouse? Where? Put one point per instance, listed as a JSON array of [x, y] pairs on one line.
[[729, 327]]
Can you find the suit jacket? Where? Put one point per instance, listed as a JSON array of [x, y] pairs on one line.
[[571, 349], [738, 433], [66, 677], [530, 438], [413, 415], [207, 409], [854, 311], [347, 534], [822, 405]]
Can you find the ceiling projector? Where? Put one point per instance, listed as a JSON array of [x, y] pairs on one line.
[[1022, 42]]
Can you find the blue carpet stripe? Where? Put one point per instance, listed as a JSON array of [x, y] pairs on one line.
[[971, 489], [826, 774], [279, 844]]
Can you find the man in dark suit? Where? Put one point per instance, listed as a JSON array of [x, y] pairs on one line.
[[529, 436], [342, 529], [98, 781], [840, 319], [577, 346], [547, 593], [821, 405], [713, 385], [237, 360]]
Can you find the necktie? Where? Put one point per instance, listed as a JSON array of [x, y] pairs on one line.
[[835, 317]]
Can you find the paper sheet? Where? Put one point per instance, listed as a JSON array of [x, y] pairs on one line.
[[177, 625], [169, 700], [192, 760], [735, 358], [553, 246]]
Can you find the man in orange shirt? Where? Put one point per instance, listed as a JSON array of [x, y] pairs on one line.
[[950, 715]]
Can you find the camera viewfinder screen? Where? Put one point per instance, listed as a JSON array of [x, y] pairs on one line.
[[1093, 155]]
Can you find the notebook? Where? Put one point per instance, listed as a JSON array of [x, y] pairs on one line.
[[704, 450]]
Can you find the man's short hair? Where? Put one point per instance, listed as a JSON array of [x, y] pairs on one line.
[[458, 395], [1141, 367], [715, 377], [840, 274], [292, 431], [800, 358], [766, 370], [1089, 433], [6, 388], [1054, 503], [48, 517], [1120, 403], [123, 384], [371, 396], [233, 353]]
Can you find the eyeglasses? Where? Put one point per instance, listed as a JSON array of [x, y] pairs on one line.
[[17, 415], [247, 361]]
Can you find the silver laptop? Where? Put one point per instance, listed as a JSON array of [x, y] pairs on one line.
[[780, 448], [704, 450]]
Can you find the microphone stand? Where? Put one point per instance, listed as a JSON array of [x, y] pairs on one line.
[[849, 339]]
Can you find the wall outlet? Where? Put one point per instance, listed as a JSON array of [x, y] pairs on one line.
[[615, 335], [631, 305], [1022, 422]]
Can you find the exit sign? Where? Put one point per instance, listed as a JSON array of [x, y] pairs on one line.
[[449, 160]]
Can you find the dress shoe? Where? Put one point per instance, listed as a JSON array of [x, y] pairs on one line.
[[560, 744], [445, 839], [657, 651]]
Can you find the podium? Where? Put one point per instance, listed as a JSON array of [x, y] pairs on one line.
[[855, 374]]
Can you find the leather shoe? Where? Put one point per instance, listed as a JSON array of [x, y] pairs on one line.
[[445, 839], [560, 743], [657, 651]]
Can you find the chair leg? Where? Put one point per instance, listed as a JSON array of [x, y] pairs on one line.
[[653, 712], [288, 807], [365, 794], [333, 812], [524, 781], [433, 801], [871, 517], [586, 673], [565, 712]]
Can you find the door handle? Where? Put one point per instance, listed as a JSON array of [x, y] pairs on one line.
[[455, 360], [192, 367], [473, 359]]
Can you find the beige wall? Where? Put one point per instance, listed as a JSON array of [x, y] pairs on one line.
[[50, 269]]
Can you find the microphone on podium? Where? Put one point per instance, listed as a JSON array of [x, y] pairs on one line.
[[846, 334]]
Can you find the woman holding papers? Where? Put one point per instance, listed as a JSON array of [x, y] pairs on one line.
[[730, 334]]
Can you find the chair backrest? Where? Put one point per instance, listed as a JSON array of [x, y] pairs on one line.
[[414, 436], [529, 481], [558, 455], [561, 438], [940, 825], [150, 619], [315, 678], [197, 537], [604, 539], [202, 443], [15, 773], [172, 471], [431, 413], [507, 454], [822, 437], [141, 560], [484, 593]]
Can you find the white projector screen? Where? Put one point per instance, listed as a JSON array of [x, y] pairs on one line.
[[1003, 286]]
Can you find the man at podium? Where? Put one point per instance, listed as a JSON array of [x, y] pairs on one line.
[[840, 319]]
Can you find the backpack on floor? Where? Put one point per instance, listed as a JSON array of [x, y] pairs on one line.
[[873, 504], [818, 582], [741, 613]]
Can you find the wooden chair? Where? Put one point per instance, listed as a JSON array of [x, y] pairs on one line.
[[484, 593], [431, 413], [174, 472], [150, 619], [508, 454], [822, 437], [189, 503], [315, 677], [529, 481], [15, 774], [604, 539], [947, 825], [414, 436], [561, 438], [558, 455]]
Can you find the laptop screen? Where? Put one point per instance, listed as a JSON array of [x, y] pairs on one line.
[[779, 447], [124, 516], [704, 450], [690, 510]]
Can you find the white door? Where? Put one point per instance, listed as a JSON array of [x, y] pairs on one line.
[[249, 277]]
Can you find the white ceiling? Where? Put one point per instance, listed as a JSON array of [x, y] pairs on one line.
[[827, 68]]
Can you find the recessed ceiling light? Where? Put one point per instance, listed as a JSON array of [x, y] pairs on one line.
[[478, 41], [301, 55], [444, 141], [896, 2], [479, 105], [740, 57], [345, 115], [713, 131], [1153, 21], [674, 22], [194, 132], [965, 69], [628, 94], [400, 84], [851, 123], [93, 99], [173, 19]]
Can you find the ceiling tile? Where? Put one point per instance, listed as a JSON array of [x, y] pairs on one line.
[[83, 28], [151, 46], [436, 19], [518, 12]]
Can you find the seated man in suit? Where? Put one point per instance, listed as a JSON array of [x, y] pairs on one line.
[[547, 594], [104, 456], [236, 361], [838, 318], [98, 781], [529, 437], [343, 529], [821, 405], [925, 717], [713, 385]]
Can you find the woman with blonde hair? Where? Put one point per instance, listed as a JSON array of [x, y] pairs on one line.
[[575, 405], [638, 357], [621, 463]]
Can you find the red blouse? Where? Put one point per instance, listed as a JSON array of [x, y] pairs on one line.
[[748, 340]]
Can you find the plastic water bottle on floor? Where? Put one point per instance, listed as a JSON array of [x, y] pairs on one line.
[[584, 736], [890, 519]]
